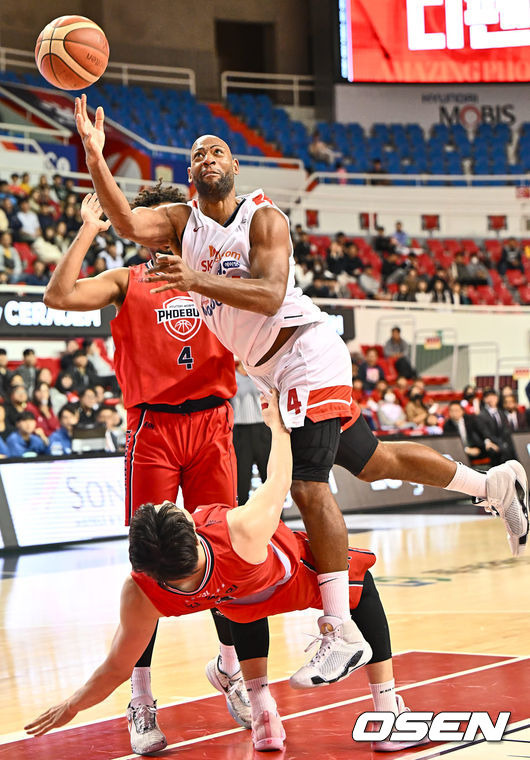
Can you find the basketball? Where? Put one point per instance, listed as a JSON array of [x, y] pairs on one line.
[[72, 52]]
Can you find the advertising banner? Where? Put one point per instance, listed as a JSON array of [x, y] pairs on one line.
[[63, 500], [468, 105], [434, 40], [27, 316]]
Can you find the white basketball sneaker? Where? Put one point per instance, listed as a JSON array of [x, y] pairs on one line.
[[340, 653], [507, 497], [146, 736], [389, 746], [233, 688]]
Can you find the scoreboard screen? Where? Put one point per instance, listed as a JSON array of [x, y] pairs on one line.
[[431, 41]]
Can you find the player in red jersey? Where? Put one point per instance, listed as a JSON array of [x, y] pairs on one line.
[[248, 563], [176, 378]]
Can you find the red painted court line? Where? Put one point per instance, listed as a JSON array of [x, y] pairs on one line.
[[187, 721]]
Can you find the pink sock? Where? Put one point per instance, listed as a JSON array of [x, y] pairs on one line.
[[228, 662], [384, 696], [141, 686], [335, 592], [260, 697]]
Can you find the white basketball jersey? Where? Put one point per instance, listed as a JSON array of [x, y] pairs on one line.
[[208, 246]]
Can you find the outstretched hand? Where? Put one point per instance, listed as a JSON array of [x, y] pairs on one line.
[[91, 212], [92, 135], [52, 718], [174, 271]]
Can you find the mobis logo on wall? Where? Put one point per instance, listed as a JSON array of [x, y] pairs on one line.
[[466, 109]]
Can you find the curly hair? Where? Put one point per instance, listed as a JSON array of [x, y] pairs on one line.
[[157, 194], [163, 544]]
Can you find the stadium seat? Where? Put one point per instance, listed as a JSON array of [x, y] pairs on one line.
[[515, 278]]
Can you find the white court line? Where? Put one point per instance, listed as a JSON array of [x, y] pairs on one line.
[[343, 703], [469, 654], [446, 749], [17, 736]]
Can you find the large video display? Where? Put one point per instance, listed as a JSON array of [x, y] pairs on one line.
[[434, 40]]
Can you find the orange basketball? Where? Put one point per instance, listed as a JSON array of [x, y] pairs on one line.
[[72, 52]]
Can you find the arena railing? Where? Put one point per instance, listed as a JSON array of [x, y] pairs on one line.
[[294, 84], [422, 179], [12, 59]]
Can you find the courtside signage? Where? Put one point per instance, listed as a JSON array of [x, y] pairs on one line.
[[27, 315], [437, 727]]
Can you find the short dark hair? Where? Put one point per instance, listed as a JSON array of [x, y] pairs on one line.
[[163, 543], [489, 392], [157, 194], [3, 352], [79, 352], [25, 416], [68, 408], [455, 403], [28, 352]]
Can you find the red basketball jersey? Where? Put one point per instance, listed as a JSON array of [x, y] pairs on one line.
[[165, 354], [227, 577], [285, 581]]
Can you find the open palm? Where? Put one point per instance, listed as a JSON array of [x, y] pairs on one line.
[[92, 135], [91, 212]]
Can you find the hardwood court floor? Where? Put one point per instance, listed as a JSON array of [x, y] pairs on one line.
[[448, 584]]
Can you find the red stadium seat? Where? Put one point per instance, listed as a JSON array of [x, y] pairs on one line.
[[444, 258], [486, 295], [26, 254], [515, 278], [356, 291], [504, 295], [433, 244], [496, 279], [377, 346], [469, 246], [453, 246]]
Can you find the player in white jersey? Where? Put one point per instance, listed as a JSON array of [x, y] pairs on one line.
[[306, 361]]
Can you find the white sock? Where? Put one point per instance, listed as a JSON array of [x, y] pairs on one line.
[[384, 696], [228, 661], [335, 592], [141, 686], [260, 697], [468, 481]]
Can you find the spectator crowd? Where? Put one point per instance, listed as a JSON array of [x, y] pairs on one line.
[[38, 223], [41, 414], [394, 400], [396, 268]]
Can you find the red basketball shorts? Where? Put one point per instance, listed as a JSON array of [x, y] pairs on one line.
[[193, 451]]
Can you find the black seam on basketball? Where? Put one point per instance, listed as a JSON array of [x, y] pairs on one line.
[[86, 81], [51, 58], [38, 51]]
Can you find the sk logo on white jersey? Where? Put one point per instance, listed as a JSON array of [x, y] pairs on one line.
[[180, 317]]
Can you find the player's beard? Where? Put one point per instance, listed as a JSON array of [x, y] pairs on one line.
[[215, 191]]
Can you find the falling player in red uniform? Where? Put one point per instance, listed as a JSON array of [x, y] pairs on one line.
[[176, 378], [251, 565], [234, 256]]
